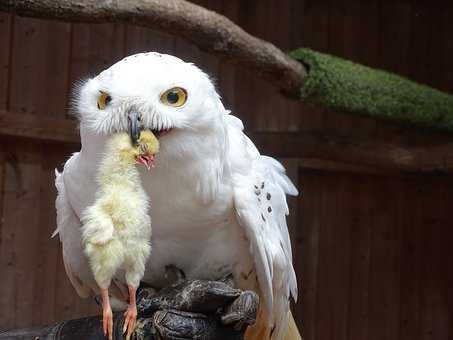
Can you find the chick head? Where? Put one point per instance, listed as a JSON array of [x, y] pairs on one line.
[[146, 148], [143, 152]]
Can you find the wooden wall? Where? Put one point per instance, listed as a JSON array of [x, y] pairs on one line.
[[371, 248]]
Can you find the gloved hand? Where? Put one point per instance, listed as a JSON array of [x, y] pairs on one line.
[[189, 309]]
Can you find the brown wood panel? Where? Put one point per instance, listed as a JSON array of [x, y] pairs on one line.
[[310, 28], [306, 258], [380, 247], [94, 48], [258, 103], [360, 262], [360, 45], [227, 71], [246, 85], [21, 229], [39, 67], [384, 293], [5, 44], [436, 308], [445, 60], [139, 39]]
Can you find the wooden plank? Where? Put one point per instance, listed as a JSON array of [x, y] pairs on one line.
[[329, 209], [40, 128], [353, 31], [372, 152], [39, 70], [41, 56], [360, 260], [47, 66], [307, 254], [341, 270], [20, 230], [190, 53], [359, 45], [397, 261], [95, 48], [207, 62], [5, 236], [436, 275], [227, 71], [246, 85], [139, 39], [310, 28], [7, 250], [445, 82], [435, 154], [412, 251], [5, 55], [270, 111], [384, 298], [47, 270]]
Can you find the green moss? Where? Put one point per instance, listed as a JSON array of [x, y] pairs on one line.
[[345, 86]]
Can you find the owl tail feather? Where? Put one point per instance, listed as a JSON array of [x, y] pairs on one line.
[[260, 332], [293, 332]]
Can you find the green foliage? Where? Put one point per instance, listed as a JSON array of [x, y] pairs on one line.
[[345, 86]]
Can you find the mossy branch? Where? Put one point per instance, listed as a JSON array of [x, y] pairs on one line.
[[346, 86], [333, 82]]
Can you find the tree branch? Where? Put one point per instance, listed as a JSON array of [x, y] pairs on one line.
[[343, 85], [210, 31], [332, 82]]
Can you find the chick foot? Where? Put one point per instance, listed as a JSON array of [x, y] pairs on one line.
[[130, 315], [107, 315]]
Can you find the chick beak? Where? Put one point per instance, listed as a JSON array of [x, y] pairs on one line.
[[146, 160], [135, 125]]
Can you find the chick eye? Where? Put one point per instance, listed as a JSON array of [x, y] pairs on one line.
[[176, 97], [103, 100]]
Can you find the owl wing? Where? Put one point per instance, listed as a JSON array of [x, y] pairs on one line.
[[260, 203]]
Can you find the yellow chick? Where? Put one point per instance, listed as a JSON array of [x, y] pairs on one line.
[[116, 229]]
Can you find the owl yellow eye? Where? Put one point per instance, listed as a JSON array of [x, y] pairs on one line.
[[103, 100], [175, 97]]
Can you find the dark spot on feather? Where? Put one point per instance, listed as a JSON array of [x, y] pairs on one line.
[[262, 185], [262, 216], [257, 192], [272, 331], [269, 209], [256, 187], [268, 196]]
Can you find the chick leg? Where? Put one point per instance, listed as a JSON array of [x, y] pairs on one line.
[[107, 315], [130, 315]]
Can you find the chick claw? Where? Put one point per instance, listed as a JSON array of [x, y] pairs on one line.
[[107, 322], [130, 319]]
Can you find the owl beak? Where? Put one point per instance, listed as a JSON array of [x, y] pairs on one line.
[[135, 125]]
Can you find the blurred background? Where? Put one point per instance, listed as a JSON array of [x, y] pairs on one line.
[[372, 244]]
